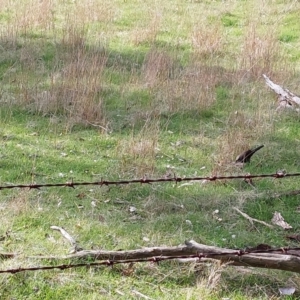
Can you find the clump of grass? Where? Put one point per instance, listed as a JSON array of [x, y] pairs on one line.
[[138, 152], [157, 67], [193, 89], [208, 41], [260, 53], [79, 83]]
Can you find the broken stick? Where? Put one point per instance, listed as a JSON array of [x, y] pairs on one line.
[[68, 237], [285, 97], [251, 220]]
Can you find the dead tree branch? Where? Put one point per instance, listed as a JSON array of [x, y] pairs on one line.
[[285, 97], [279, 258], [251, 220], [68, 237]]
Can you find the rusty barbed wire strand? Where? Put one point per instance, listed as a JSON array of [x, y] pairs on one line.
[[154, 259], [148, 180]]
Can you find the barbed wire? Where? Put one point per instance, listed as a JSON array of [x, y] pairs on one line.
[[146, 180], [157, 259]]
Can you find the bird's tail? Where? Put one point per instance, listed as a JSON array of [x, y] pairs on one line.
[[255, 150]]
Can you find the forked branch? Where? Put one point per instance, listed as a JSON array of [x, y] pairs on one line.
[[280, 258]]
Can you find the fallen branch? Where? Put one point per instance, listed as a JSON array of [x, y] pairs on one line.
[[280, 258], [279, 220], [139, 294], [285, 97], [251, 220], [68, 237]]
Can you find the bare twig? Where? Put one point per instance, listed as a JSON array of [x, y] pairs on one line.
[[141, 295], [68, 237], [251, 220]]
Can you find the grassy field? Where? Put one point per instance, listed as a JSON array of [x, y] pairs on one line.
[[122, 89]]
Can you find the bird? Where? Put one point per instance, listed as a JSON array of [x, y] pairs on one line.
[[246, 156]]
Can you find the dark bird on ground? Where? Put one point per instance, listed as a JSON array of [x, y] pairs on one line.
[[245, 156]]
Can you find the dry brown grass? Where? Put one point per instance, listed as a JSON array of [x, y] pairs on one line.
[[260, 53], [208, 41], [33, 14], [194, 88], [157, 67], [78, 84], [94, 11], [19, 204], [147, 33], [138, 152], [73, 85]]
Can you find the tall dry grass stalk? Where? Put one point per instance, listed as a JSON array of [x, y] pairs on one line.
[[193, 88], [208, 41], [260, 53], [31, 15], [78, 84], [72, 86], [157, 67], [138, 151]]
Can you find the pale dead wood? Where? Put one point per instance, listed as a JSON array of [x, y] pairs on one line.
[[289, 260], [68, 237], [251, 220], [125, 254], [285, 97], [279, 220], [139, 294]]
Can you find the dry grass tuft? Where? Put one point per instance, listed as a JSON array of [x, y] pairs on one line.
[[20, 203], [208, 41], [33, 14], [94, 11], [157, 67], [148, 33], [79, 85], [260, 53], [75, 86], [193, 89], [138, 152]]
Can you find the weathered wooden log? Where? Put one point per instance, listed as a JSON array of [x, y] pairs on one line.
[[285, 97], [286, 259]]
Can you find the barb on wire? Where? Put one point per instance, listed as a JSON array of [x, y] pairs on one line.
[[148, 180]]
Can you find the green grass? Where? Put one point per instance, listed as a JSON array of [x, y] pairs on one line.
[[93, 91]]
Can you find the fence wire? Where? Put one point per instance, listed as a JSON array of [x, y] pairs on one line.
[[145, 180]]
